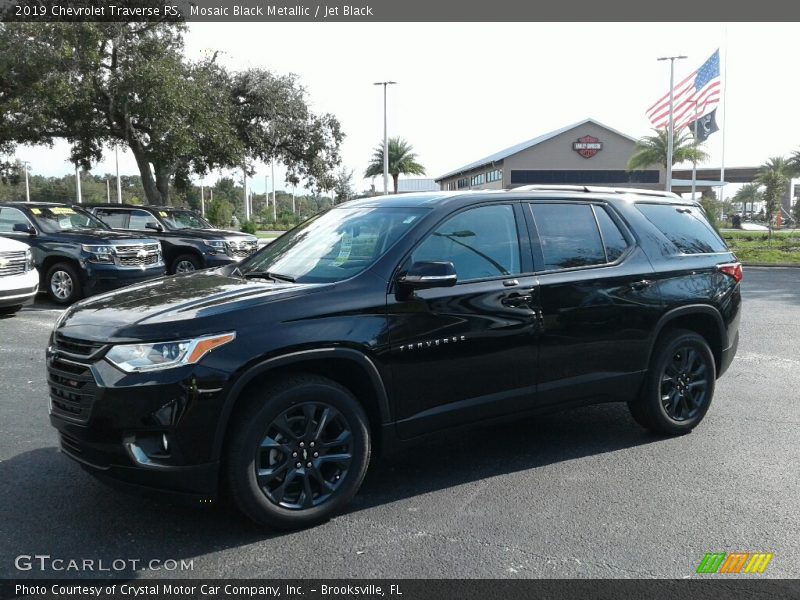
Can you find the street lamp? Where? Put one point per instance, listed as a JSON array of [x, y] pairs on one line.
[[27, 187], [671, 131], [694, 159], [385, 139]]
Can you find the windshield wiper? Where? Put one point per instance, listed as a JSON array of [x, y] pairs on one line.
[[268, 275]]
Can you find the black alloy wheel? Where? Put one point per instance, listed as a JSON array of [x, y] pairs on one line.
[[679, 386], [298, 451], [304, 456]]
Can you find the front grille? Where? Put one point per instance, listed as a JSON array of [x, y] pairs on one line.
[[69, 377], [242, 249], [139, 261], [12, 263], [136, 247], [72, 389]]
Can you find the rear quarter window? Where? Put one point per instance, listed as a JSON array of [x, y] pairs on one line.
[[685, 226]]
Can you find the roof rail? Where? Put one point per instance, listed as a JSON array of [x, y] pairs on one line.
[[592, 189]]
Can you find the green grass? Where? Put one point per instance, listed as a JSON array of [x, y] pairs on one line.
[[267, 235], [756, 247]]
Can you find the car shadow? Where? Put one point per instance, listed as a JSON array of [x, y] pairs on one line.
[[50, 506]]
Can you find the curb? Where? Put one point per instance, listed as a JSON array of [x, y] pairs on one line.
[[781, 265]]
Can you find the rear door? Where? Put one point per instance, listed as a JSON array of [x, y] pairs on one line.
[[597, 302], [466, 353]]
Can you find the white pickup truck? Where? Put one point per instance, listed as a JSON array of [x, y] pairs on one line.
[[19, 279]]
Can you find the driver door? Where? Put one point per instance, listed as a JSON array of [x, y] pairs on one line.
[[466, 353]]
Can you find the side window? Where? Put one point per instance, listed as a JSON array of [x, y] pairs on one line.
[[613, 240], [116, 219], [10, 217], [568, 235], [684, 226], [139, 219], [481, 242]]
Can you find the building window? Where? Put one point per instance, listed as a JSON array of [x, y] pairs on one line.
[[478, 179], [496, 175], [463, 182]]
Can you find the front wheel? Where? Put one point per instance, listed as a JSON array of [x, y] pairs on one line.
[[680, 384], [299, 453], [185, 263]]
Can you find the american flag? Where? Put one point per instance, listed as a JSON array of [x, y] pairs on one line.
[[701, 87]]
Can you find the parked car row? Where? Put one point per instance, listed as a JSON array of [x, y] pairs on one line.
[[81, 250]]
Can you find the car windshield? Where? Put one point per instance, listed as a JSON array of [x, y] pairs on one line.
[[53, 219], [333, 246], [183, 219]]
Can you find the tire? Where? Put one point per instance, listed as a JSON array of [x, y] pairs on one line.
[[185, 263], [279, 430], [62, 283], [9, 310], [679, 387]]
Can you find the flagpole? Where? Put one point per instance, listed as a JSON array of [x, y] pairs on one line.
[[671, 128], [694, 158], [724, 118]]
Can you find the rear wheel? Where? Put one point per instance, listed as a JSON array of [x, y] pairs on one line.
[[299, 453], [63, 285], [680, 384]]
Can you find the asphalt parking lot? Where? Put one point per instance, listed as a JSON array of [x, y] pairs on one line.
[[585, 493]]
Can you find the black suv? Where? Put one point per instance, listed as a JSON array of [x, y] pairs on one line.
[[189, 241], [76, 253], [387, 319]]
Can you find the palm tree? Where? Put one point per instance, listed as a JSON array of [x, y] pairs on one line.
[[749, 192], [402, 159], [652, 150], [774, 175]]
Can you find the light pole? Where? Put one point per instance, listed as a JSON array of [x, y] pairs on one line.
[[78, 195], [108, 191], [274, 204], [119, 183], [202, 199], [385, 138], [246, 203], [694, 159], [671, 130], [27, 187]]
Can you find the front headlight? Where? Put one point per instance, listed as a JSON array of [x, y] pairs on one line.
[[100, 253], [29, 264], [134, 358], [217, 245]]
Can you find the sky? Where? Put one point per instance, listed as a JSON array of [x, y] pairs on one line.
[[466, 90]]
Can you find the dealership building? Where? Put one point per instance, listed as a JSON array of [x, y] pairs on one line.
[[587, 152]]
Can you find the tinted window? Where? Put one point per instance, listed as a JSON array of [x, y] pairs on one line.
[[568, 235], [481, 242], [10, 217], [117, 219], [615, 243], [684, 226], [139, 219]]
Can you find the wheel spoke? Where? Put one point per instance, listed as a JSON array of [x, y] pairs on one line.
[[309, 410], [325, 485], [265, 476], [269, 443], [322, 423], [340, 440], [282, 425], [280, 491], [308, 495], [339, 458]]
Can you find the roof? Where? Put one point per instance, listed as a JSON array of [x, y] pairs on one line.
[[145, 206], [511, 150], [563, 192]]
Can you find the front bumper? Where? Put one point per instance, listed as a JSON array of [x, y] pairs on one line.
[[19, 290], [145, 431], [107, 277]]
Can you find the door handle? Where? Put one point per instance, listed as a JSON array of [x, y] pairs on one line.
[[640, 285], [517, 300]]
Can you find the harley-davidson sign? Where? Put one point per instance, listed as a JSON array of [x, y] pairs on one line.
[[587, 146]]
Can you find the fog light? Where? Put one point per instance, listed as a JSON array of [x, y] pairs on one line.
[[164, 443]]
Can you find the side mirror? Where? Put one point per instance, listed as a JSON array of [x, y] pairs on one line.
[[423, 275], [24, 228], [153, 225]]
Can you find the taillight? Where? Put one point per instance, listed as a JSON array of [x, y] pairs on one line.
[[732, 270]]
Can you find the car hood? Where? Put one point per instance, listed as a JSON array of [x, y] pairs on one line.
[[213, 234], [98, 236], [9, 245], [171, 305]]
